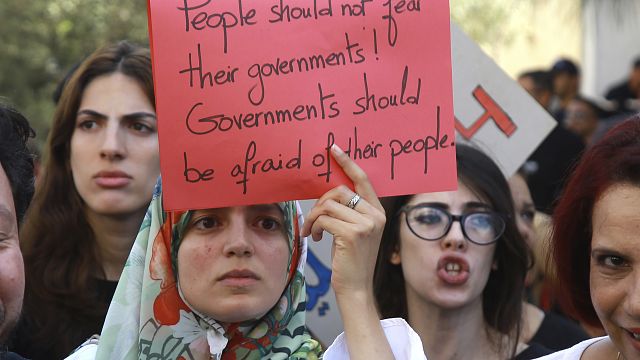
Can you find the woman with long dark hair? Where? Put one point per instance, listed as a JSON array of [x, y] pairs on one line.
[[453, 265], [96, 185]]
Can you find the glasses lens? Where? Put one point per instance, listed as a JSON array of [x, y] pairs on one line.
[[483, 228], [429, 223]]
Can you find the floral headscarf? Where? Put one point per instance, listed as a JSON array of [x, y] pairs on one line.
[[150, 319]]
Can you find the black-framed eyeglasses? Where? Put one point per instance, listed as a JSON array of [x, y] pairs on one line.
[[431, 223]]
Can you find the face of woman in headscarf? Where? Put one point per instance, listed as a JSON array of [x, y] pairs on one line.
[[615, 266], [233, 262]]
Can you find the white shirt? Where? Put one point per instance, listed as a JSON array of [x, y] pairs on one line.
[[405, 344], [574, 352]]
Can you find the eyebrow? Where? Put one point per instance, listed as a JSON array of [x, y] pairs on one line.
[[605, 250], [132, 116], [257, 207], [467, 206], [477, 205]]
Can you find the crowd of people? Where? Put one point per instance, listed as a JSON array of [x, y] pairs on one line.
[[465, 274]]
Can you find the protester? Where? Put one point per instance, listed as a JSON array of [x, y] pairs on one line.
[[16, 190], [582, 118], [229, 283], [548, 165], [565, 76], [95, 188], [595, 245], [453, 264], [627, 92], [550, 330]]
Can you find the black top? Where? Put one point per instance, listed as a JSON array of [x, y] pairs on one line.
[[534, 351], [620, 94], [550, 164], [80, 327], [4, 355], [558, 333]]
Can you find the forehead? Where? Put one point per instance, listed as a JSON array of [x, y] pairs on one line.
[[7, 208], [616, 219], [519, 188], [454, 199], [115, 88]]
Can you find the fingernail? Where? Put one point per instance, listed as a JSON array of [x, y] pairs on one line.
[[336, 149]]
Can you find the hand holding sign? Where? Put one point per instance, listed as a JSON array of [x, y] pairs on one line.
[[356, 221]]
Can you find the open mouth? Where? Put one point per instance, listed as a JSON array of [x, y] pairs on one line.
[[453, 270]]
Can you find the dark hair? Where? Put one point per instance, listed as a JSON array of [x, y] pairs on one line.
[[565, 66], [61, 259], [502, 296], [636, 63], [541, 80], [612, 160], [15, 158]]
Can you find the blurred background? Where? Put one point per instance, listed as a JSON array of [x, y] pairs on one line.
[[41, 40]]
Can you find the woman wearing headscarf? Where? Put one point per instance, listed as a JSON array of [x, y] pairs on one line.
[[228, 283]]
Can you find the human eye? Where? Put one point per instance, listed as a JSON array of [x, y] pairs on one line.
[[426, 216], [611, 261], [142, 127], [205, 222], [527, 216], [481, 221], [269, 224], [87, 124]]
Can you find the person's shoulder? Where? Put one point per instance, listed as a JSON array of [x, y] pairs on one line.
[[86, 351], [617, 90], [573, 353], [404, 341]]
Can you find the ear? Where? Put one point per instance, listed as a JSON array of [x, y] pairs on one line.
[[395, 257], [494, 266]]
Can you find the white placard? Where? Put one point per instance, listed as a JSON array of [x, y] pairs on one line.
[[491, 109]]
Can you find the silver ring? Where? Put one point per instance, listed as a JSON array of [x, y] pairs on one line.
[[353, 202]]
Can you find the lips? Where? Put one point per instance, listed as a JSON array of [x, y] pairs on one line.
[[112, 179], [453, 270], [239, 277], [634, 335]]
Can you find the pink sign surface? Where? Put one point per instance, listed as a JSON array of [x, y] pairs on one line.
[[251, 94]]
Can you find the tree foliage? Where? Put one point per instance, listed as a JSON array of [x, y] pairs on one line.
[[42, 39]]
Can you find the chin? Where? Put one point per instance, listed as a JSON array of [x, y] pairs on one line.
[[114, 207], [451, 301], [236, 310]]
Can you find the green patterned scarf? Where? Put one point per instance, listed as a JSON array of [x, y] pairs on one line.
[[149, 319]]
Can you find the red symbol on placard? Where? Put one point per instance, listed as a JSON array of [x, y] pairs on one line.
[[492, 111]]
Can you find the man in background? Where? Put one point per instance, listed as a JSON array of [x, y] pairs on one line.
[[627, 92], [550, 163], [565, 77]]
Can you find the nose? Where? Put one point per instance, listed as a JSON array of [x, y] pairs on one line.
[[632, 301], [238, 241], [454, 239], [113, 145]]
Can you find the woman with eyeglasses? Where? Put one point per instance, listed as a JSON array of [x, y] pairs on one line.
[[453, 265]]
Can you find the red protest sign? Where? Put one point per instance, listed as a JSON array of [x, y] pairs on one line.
[[251, 95]]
